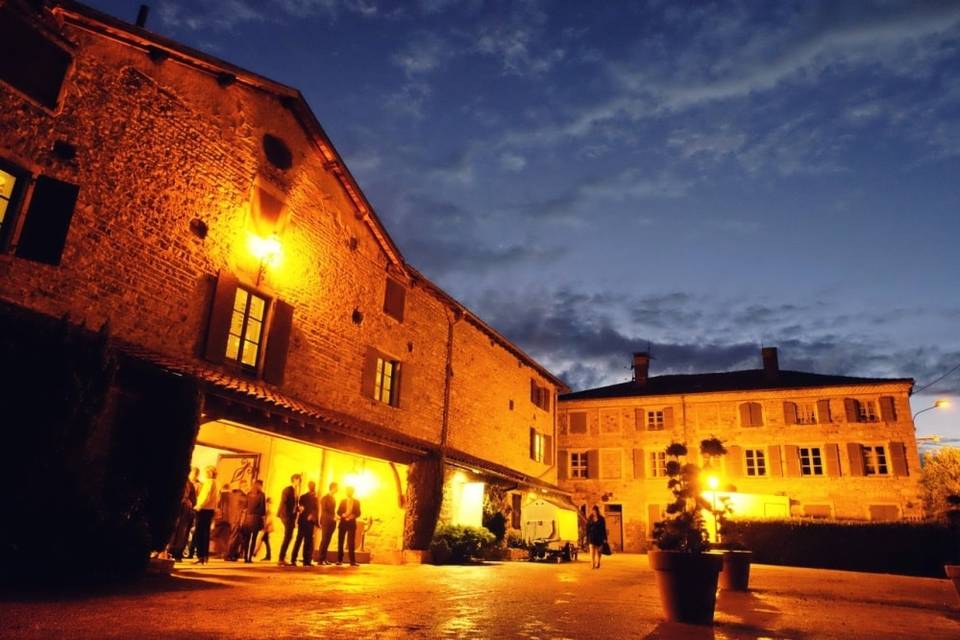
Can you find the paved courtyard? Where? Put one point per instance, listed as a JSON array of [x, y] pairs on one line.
[[496, 600]]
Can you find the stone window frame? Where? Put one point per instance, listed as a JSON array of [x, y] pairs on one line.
[[579, 466], [876, 460], [656, 420], [380, 384], [757, 463], [811, 465]]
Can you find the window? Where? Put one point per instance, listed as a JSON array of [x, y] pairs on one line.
[[579, 467], [394, 300], [539, 396], [655, 420], [756, 462], [536, 445], [875, 461], [811, 461], [658, 464], [866, 411], [41, 79], [384, 385], [806, 413], [246, 328], [751, 414], [10, 182], [578, 422]]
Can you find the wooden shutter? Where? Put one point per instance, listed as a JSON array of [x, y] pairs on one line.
[[593, 463], [790, 413], [888, 409], [640, 417], [533, 443], [368, 377], [548, 450], [734, 461], [278, 342], [668, 418], [823, 412], [221, 312], [563, 462], [545, 397], [745, 415], [534, 392], [898, 459], [578, 422], [850, 409], [654, 515], [394, 299], [773, 464], [791, 458], [756, 414], [637, 463], [832, 454], [400, 381], [48, 218], [43, 77], [855, 453]]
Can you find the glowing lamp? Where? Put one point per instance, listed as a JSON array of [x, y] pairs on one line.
[[266, 250], [941, 404], [364, 483], [713, 482]]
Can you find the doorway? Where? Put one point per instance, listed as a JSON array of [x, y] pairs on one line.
[[614, 516]]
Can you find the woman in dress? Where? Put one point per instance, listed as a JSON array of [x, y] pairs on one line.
[[596, 535]]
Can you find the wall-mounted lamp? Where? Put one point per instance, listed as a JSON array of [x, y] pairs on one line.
[[266, 250]]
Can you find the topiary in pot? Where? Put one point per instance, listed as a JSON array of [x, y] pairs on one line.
[[685, 570]]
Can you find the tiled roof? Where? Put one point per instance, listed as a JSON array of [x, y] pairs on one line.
[[747, 380]]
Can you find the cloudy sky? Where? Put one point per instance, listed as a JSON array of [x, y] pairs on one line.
[[699, 177]]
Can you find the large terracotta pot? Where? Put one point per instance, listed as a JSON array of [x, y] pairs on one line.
[[953, 572], [687, 583], [736, 570]]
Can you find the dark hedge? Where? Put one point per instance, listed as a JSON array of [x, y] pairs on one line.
[[908, 548]]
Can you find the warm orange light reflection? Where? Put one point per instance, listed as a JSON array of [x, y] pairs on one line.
[[266, 250], [713, 481], [364, 483]]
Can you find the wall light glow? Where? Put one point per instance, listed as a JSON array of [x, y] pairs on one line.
[[267, 250]]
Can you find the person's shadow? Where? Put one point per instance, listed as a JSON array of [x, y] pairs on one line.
[[680, 631]]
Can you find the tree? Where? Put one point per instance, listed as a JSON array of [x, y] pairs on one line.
[[940, 480]]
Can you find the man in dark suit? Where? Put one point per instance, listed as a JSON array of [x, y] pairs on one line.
[[328, 520], [287, 512], [309, 512], [253, 519], [348, 511]]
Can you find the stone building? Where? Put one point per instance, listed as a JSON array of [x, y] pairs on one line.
[[798, 444], [201, 211]]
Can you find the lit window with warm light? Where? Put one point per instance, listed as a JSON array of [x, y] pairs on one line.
[[655, 420], [756, 462], [811, 461], [578, 465], [7, 183], [874, 461], [385, 383], [536, 445], [806, 413], [658, 464], [246, 328]]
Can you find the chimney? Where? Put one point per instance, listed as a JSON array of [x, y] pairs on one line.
[[641, 367], [771, 363], [142, 16]]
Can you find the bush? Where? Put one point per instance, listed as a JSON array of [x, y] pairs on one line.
[[457, 544], [496, 523], [908, 548]]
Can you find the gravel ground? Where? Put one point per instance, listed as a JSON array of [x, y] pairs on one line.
[[495, 600]]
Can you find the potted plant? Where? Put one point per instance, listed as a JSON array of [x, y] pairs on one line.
[[736, 557], [686, 571]]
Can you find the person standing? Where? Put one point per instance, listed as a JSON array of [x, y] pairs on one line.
[[267, 530], [596, 535], [253, 519], [185, 519], [287, 512], [348, 511], [328, 520], [195, 481], [306, 524], [236, 507], [206, 505]]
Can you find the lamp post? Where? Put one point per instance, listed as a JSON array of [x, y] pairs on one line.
[[714, 482], [939, 404]]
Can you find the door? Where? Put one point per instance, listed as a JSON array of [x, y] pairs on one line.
[[614, 516]]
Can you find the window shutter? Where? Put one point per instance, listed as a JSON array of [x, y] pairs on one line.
[[515, 513], [823, 412], [745, 415], [898, 459], [850, 409], [734, 461], [593, 463], [534, 392], [773, 467], [668, 418], [637, 463], [401, 375], [533, 443], [832, 452], [791, 457], [45, 228], [221, 312], [578, 422], [790, 413], [278, 342], [888, 409], [368, 378], [855, 452], [756, 414], [548, 450], [545, 396], [654, 515], [394, 299], [640, 416], [563, 462]]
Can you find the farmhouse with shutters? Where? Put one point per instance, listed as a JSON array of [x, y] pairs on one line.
[[798, 444], [201, 212]]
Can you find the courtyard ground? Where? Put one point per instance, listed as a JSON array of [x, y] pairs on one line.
[[495, 600]]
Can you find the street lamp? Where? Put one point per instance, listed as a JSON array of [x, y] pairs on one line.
[[939, 404], [713, 482]]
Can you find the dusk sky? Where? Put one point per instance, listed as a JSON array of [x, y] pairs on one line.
[[593, 177]]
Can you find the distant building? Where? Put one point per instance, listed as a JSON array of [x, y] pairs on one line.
[[201, 210], [798, 444]]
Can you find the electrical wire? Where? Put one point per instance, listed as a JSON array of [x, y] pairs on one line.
[[927, 386]]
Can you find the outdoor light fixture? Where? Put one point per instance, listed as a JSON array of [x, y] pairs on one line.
[[939, 404], [713, 482], [266, 250]]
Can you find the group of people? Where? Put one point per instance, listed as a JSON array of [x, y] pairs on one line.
[[238, 522]]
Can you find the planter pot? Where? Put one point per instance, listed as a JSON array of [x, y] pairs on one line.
[[953, 572], [687, 583], [736, 570]]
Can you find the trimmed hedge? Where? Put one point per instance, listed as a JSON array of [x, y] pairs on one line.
[[908, 548], [458, 544]]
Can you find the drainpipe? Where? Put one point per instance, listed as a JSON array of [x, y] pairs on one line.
[[447, 382]]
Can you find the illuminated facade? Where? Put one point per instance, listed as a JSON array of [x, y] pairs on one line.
[[798, 444], [202, 212]]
